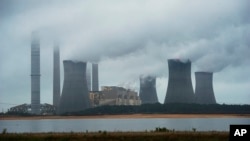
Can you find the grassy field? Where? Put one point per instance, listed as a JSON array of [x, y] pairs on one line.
[[118, 136]]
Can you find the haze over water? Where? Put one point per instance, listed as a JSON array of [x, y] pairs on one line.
[[131, 37], [138, 124]]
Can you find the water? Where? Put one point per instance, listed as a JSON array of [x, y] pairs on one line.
[[138, 124]]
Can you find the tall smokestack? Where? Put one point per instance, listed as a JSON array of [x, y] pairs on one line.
[[180, 89], [204, 92], [88, 76], [95, 81], [147, 90], [75, 91], [35, 73], [56, 76]]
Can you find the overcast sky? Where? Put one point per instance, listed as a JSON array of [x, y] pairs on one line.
[[127, 38]]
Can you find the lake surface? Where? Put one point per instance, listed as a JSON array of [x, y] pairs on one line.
[[137, 124]]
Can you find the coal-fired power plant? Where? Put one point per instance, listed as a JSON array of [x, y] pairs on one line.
[[148, 90], [204, 93], [35, 73], [75, 95], [180, 89], [56, 76]]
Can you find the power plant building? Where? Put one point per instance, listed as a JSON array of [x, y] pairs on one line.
[[148, 90], [95, 79], [35, 73], [56, 76], [180, 89], [113, 95], [204, 93], [75, 95]]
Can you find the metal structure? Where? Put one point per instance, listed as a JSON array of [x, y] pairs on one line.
[[180, 89], [56, 76], [35, 73], [148, 90], [204, 93], [95, 80], [45, 109], [75, 95]]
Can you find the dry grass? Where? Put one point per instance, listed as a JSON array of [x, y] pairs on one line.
[[118, 136]]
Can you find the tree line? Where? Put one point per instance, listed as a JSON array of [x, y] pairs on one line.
[[174, 108]]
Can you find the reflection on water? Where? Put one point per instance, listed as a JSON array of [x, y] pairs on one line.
[[83, 125]]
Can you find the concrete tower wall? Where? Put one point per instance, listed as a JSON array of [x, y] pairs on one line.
[[180, 89], [35, 73], [95, 80], [75, 95], [56, 76], [147, 90], [204, 92]]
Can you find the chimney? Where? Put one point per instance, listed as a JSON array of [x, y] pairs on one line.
[[35, 73], [95, 80], [56, 76]]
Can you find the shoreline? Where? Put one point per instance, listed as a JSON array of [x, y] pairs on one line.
[[118, 136], [127, 116]]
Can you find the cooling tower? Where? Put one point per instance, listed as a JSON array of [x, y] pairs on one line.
[[35, 73], [147, 90], [95, 81], [56, 76], [204, 93], [180, 89], [75, 95]]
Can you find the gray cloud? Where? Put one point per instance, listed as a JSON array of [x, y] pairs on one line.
[[127, 38]]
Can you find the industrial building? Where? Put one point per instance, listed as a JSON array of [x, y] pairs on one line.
[[95, 79], [95, 98], [204, 93], [148, 89], [56, 75], [75, 96], [113, 95], [180, 89], [35, 73]]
